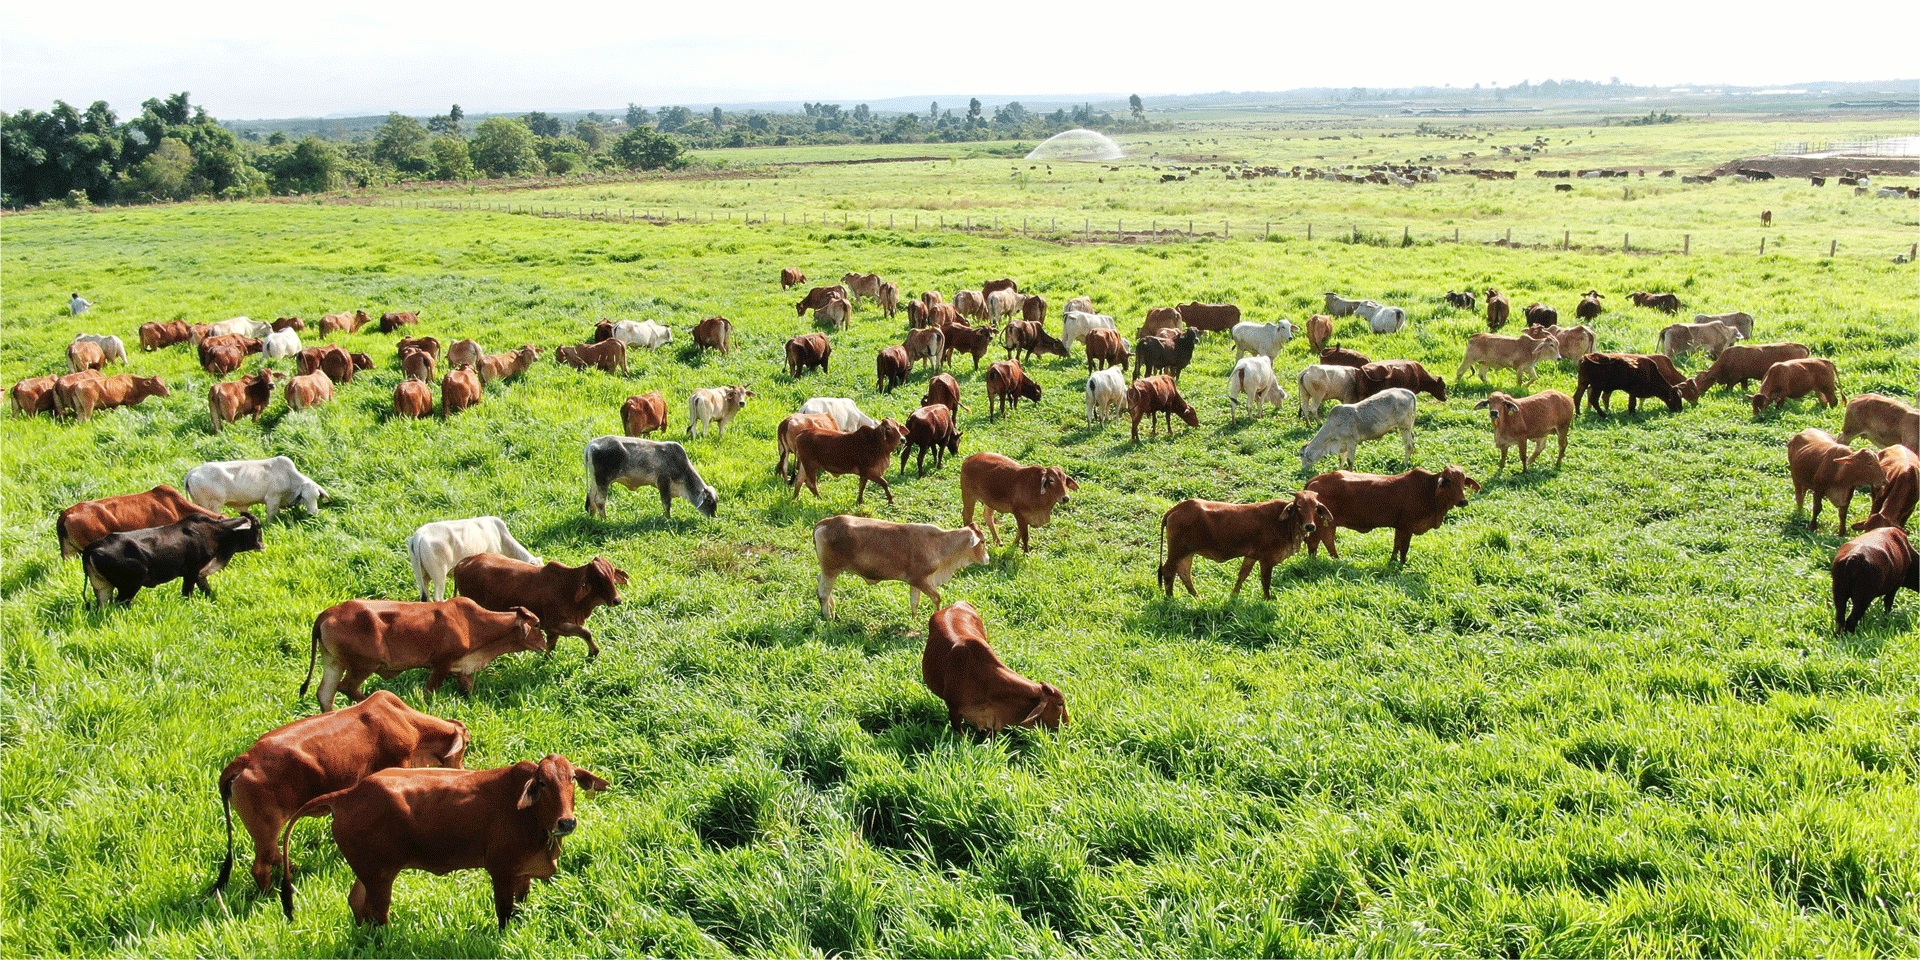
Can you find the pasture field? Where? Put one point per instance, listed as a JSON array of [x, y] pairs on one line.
[[1602, 710]]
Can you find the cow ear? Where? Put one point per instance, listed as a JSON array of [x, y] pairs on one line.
[[1046, 480], [589, 780], [526, 792], [459, 742], [1034, 714]]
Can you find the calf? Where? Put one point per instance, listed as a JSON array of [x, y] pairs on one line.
[[1263, 533], [79, 398], [1589, 307], [334, 361], [1411, 503], [1078, 324], [1738, 320], [1534, 418], [280, 343], [1342, 357], [1522, 355], [451, 638], [506, 366], [509, 821], [837, 312], [809, 351], [1351, 424], [1893, 502], [111, 347], [275, 482], [1322, 382], [1319, 331], [1165, 355], [411, 398], [309, 390], [929, 428], [1460, 300], [1884, 420], [1498, 309], [1106, 349], [962, 669], [436, 547], [1159, 320], [1640, 375], [715, 333], [791, 426], [969, 304], [218, 361], [562, 597], [973, 341], [920, 555], [889, 299], [306, 758], [247, 396], [1404, 374], [154, 336], [1792, 379], [1541, 315], [190, 550], [1156, 396], [390, 322], [84, 355], [644, 414], [1106, 393], [89, 520], [608, 355], [715, 407], [458, 391], [791, 277], [1253, 377], [1007, 385], [926, 343], [1573, 342], [334, 323], [1030, 337], [891, 368], [1664, 302], [819, 297], [1033, 309], [1872, 566], [995, 482], [1829, 470], [633, 462], [943, 389], [1261, 339], [1002, 304], [429, 345], [466, 352], [1742, 364], [863, 453]]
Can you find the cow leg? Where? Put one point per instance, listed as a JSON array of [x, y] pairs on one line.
[[1841, 503], [1839, 606], [920, 465], [1021, 521], [666, 498], [825, 593], [264, 827], [1563, 449], [1503, 457], [435, 679], [932, 593], [1402, 539], [329, 684], [1185, 570], [1266, 579], [579, 630], [1407, 434], [988, 521], [862, 496], [504, 901], [1246, 567], [1813, 523], [372, 899], [350, 685], [885, 487]]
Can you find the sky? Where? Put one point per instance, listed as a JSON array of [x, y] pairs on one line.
[[262, 59]]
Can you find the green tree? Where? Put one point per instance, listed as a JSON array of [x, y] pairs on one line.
[[166, 173], [973, 111], [451, 161], [1137, 108], [314, 166], [638, 116], [403, 144], [448, 124], [719, 119], [645, 149], [504, 147], [543, 125], [591, 133], [673, 118]]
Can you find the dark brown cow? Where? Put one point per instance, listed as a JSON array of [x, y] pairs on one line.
[[89, 520], [1498, 308], [1263, 533], [218, 361], [562, 597], [1211, 317], [416, 364], [1872, 566], [334, 361], [1541, 315], [451, 638], [459, 390], [791, 277], [1590, 306], [929, 428], [864, 453], [644, 414], [891, 368], [289, 323], [389, 322], [999, 483], [1409, 374], [1029, 337], [608, 355], [714, 333], [1894, 501], [1169, 355], [1792, 379], [989, 288], [1830, 470], [1034, 309], [808, 351], [943, 389], [154, 336], [1342, 357], [1665, 302], [1007, 385], [973, 341], [1411, 503], [962, 669], [791, 427], [1460, 300], [1640, 375], [1158, 395], [413, 398], [247, 396], [1106, 348]]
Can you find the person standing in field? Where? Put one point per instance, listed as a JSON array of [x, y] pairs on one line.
[[78, 305]]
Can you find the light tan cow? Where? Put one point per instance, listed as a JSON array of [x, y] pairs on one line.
[[1884, 420], [920, 555], [1712, 337], [1321, 382], [1493, 351]]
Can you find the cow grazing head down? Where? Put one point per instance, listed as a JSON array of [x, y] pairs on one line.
[[309, 494], [438, 749], [1050, 712], [527, 634], [549, 792], [705, 499]]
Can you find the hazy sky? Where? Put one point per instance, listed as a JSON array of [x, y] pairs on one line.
[[266, 59]]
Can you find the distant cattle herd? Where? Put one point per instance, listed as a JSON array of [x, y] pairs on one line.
[[377, 765]]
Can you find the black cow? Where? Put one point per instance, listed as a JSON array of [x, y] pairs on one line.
[[1640, 375], [1165, 355], [191, 550]]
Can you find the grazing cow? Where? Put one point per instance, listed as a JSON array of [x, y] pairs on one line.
[[791, 426], [389, 322], [1540, 315], [154, 336], [715, 407], [609, 355], [1343, 357], [451, 638], [962, 669], [862, 285], [975, 341], [1411, 503], [1884, 420], [79, 395], [864, 453], [1498, 309], [1106, 349], [1640, 375], [1522, 355], [246, 345], [509, 821], [416, 364], [891, 368], [413, 398], [89, 520], [333, 323], [846, 414], [1261, 339], [65, 389], [1263, 533], [1743, 363], [465, 353], [1007, 385], [1665, 302], [281, 343], [1381, 318], [1872, 566], [111, 347], [1894, 501], [430, 345], [84, 355], [309, 390], [34, 395], [1211, 317], [807, 352], [918, 315], [1160, 320], [926, 343], [889, 299], [435, 547], [506, 366], [458, 391], [1712, 337], [1004, 283], [218, 361], [562, 597], [1106, 393], [1351, 424], [929, 428], [1738, 320], [1574, 342], [1002, 304], [1589, 307], [644, 414], [1321, 382], [1033, 309], [1079, 324], [835, 313], [633, 462], [1319, 331], [1830, 470], [275, 482], [714, 333], [1563, 188], [247, 396], [1253, 376], [1517, 421], [998, 483], [635, 333], [1030, 337], [335, 362], [969, 304], [190, 550], [1792, 379], [294, 763], [1158, 395], [1404, 374], [1339, 306], [791, 277], [920, 555], [289, 323], [238, 326], [1461, 300], [1169, 355], [943, 389]]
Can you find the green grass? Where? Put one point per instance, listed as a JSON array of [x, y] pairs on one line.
[[1601, 712]]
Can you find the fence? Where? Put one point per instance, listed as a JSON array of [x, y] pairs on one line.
[[1881, 147]]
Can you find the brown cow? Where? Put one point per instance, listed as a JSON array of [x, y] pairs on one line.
[[1030, 337], [36, 395], [218, 361], [862, 285], [969, 304], [389, 322], [1792, 379], [80, 398], [506, 366], [332, 751], [917, 315], [819, 297], [791, 277], [1590, 306], [920, 555], [1498, 308], [1884, 420], [991, 287], [1411, 503], [1007, 385], [791, 426], [1407, 374], [1106, 348], [1574, 342], [1766, 218], [1211, 317], [429, 344], [1319, 331], [1160, 319], [1157, 395], [999, 483], [413, 398], [1872, 566], [1342, 357], [508, 821], [309, 390], [864, 453], [247, 396], [333, 323], [1516, 421], [1541, 315], [416, 364], [1665, 302], [452, 638], [943, 389], [154, 336], [1743, 363], [1263, 533], [609, 355], [289, 323], [808, 351], [1894, 501], [644, 414], [975, 341], [891, 368], [465, 352], [562, 597], [889, 298], [962, 669], [929, 428], [461, 389], [85, 355], [1830, 470], [1034, 309], [1640, 375], [714, 333], [245, 343], [334, 361], [926, 343], [89, 520]]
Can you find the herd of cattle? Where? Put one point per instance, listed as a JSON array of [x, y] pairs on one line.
[[391, 776]]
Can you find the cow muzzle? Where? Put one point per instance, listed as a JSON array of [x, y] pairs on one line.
[[564, 826]]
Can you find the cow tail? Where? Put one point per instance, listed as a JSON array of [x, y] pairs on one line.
[[227, 777], [60, 535], [312, 808], [313, 655], [1160, 548]]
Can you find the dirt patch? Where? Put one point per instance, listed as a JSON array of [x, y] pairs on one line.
[[849, 163], [1824, 166]]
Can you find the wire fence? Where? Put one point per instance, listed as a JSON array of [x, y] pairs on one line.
[[1160, 230]]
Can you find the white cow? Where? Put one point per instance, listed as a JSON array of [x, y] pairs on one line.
[[240, 326], [1351, 424], [281, 343], [642, 333], [275, 482], [1340, 306], [1264, 339], [1253, 376], [437, 546], [1077, 325], [1382, 318], [715, 407], [844, 412], [1106, 394], [1322, 382], [111, 346]]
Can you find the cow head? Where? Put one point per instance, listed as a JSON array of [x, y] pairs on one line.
[[976, 544], [527, 634], [153, 386], [442, 743], [1863, 467], [1188, 413], [1450, 487], [1050, 711], [241, 534], [549, 792], [309, 494], [706, 500], [953, 441], [1313, 514], [602, 331], [1500, 404], [601, 584], [737, 395], [892, 433], [361, 361], [1056, 486], [1873, 521]]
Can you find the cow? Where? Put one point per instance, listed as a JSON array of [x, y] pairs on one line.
[[1261, 339], [1872, 566], [154, 336], [962, 669], [633, 462], [416, 364], [889, 299], [220, 360], [34, 395], [714, 333], [645, 334], [1030, 337], [1339, 306], [247, 396], [238, 326], [1321, 382], [1534, 418], [1319, 331], [281, 343], [334, 323], [809, 351], [1351, 424], [1106, 349], [456, 638], [1792, 379], [1007, 385], [1004, 283], [509, 821], [1211, 317], [65, 390], [943, 389], [1766, 218], [1411, 503], [190, 550], [1498, 309], [1829, 470], [1160, 320], [920, 555], [1664, 302], [862, 285], [1078, 324], [1461, 300], [1263, 533], [1640, 375], [1080, 305], [562, 597], [1741, 364], [275, 482], [791, 426], [1894, 501], [1003, 304], [1522, 355], [1381, 318], [891, 368], [1169, 355], [975, 341], [1574, 342], [791, 277], [1738, 320], [1405, 374], [644, 414], [458, 391], [609, 355], [1713, 337], [714, 408], [1106, 393], [928, 344], [506, 366], [969, 304], [1343, 357], [1033, 309], [339, 365], [1884, 420], [929, 428], [413, 398], [1154, 396], [429, 345], [392, 321], [846, 414], [864, 453], [1253, 377], [78, 395], [918, 315], [89, 520], [1589, 307], [465, 352], [292, 764], [84, 355], [998, 483], [289, 323]]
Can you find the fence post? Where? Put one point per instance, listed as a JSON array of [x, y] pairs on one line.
[[1086, 227], [1509, 236], [1119, 228], [1686, 244], [1763, 246], [1269, 232], [1833, 248], [1023, 225], [1566, 239], [1456, 234], [1226, 229], [1309, 231], [1913, 253], [1626, 242], [1406, 236]]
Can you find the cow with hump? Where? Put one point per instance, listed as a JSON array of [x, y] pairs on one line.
[[1411, 503], [562, 597], [962, 669], [452, 638], [634, 462], [1351, 424], [89, 520], [118, 565], [999, 483], [1263, 533], [920, 555], [275, 482]]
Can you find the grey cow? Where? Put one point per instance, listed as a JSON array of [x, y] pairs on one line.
[[634, 462], [1351, 424]]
